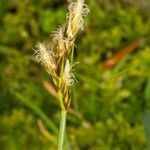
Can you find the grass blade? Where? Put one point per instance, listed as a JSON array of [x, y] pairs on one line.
[[38, 112]]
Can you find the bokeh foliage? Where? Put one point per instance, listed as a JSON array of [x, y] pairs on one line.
[[108, 105]]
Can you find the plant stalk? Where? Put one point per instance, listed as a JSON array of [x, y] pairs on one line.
[[62, 130]]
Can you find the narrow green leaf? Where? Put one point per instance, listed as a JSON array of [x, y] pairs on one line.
[[146, 121], [147, 91], [38, 112], [7, 50]]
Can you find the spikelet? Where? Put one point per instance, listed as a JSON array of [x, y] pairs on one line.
[[45, 57], [59, 43], [77, 10], [68, 77]]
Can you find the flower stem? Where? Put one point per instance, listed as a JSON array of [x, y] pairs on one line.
[[62, 130]]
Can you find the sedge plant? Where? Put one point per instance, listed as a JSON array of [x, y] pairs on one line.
[[57, 58]]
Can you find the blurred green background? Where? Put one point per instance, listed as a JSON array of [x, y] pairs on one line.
[[110, 104]]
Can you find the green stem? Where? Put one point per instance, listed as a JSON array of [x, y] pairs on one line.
[[62, 130], [61, 101]]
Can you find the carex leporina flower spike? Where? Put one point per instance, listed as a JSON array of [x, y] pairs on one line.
[[57, 58]]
